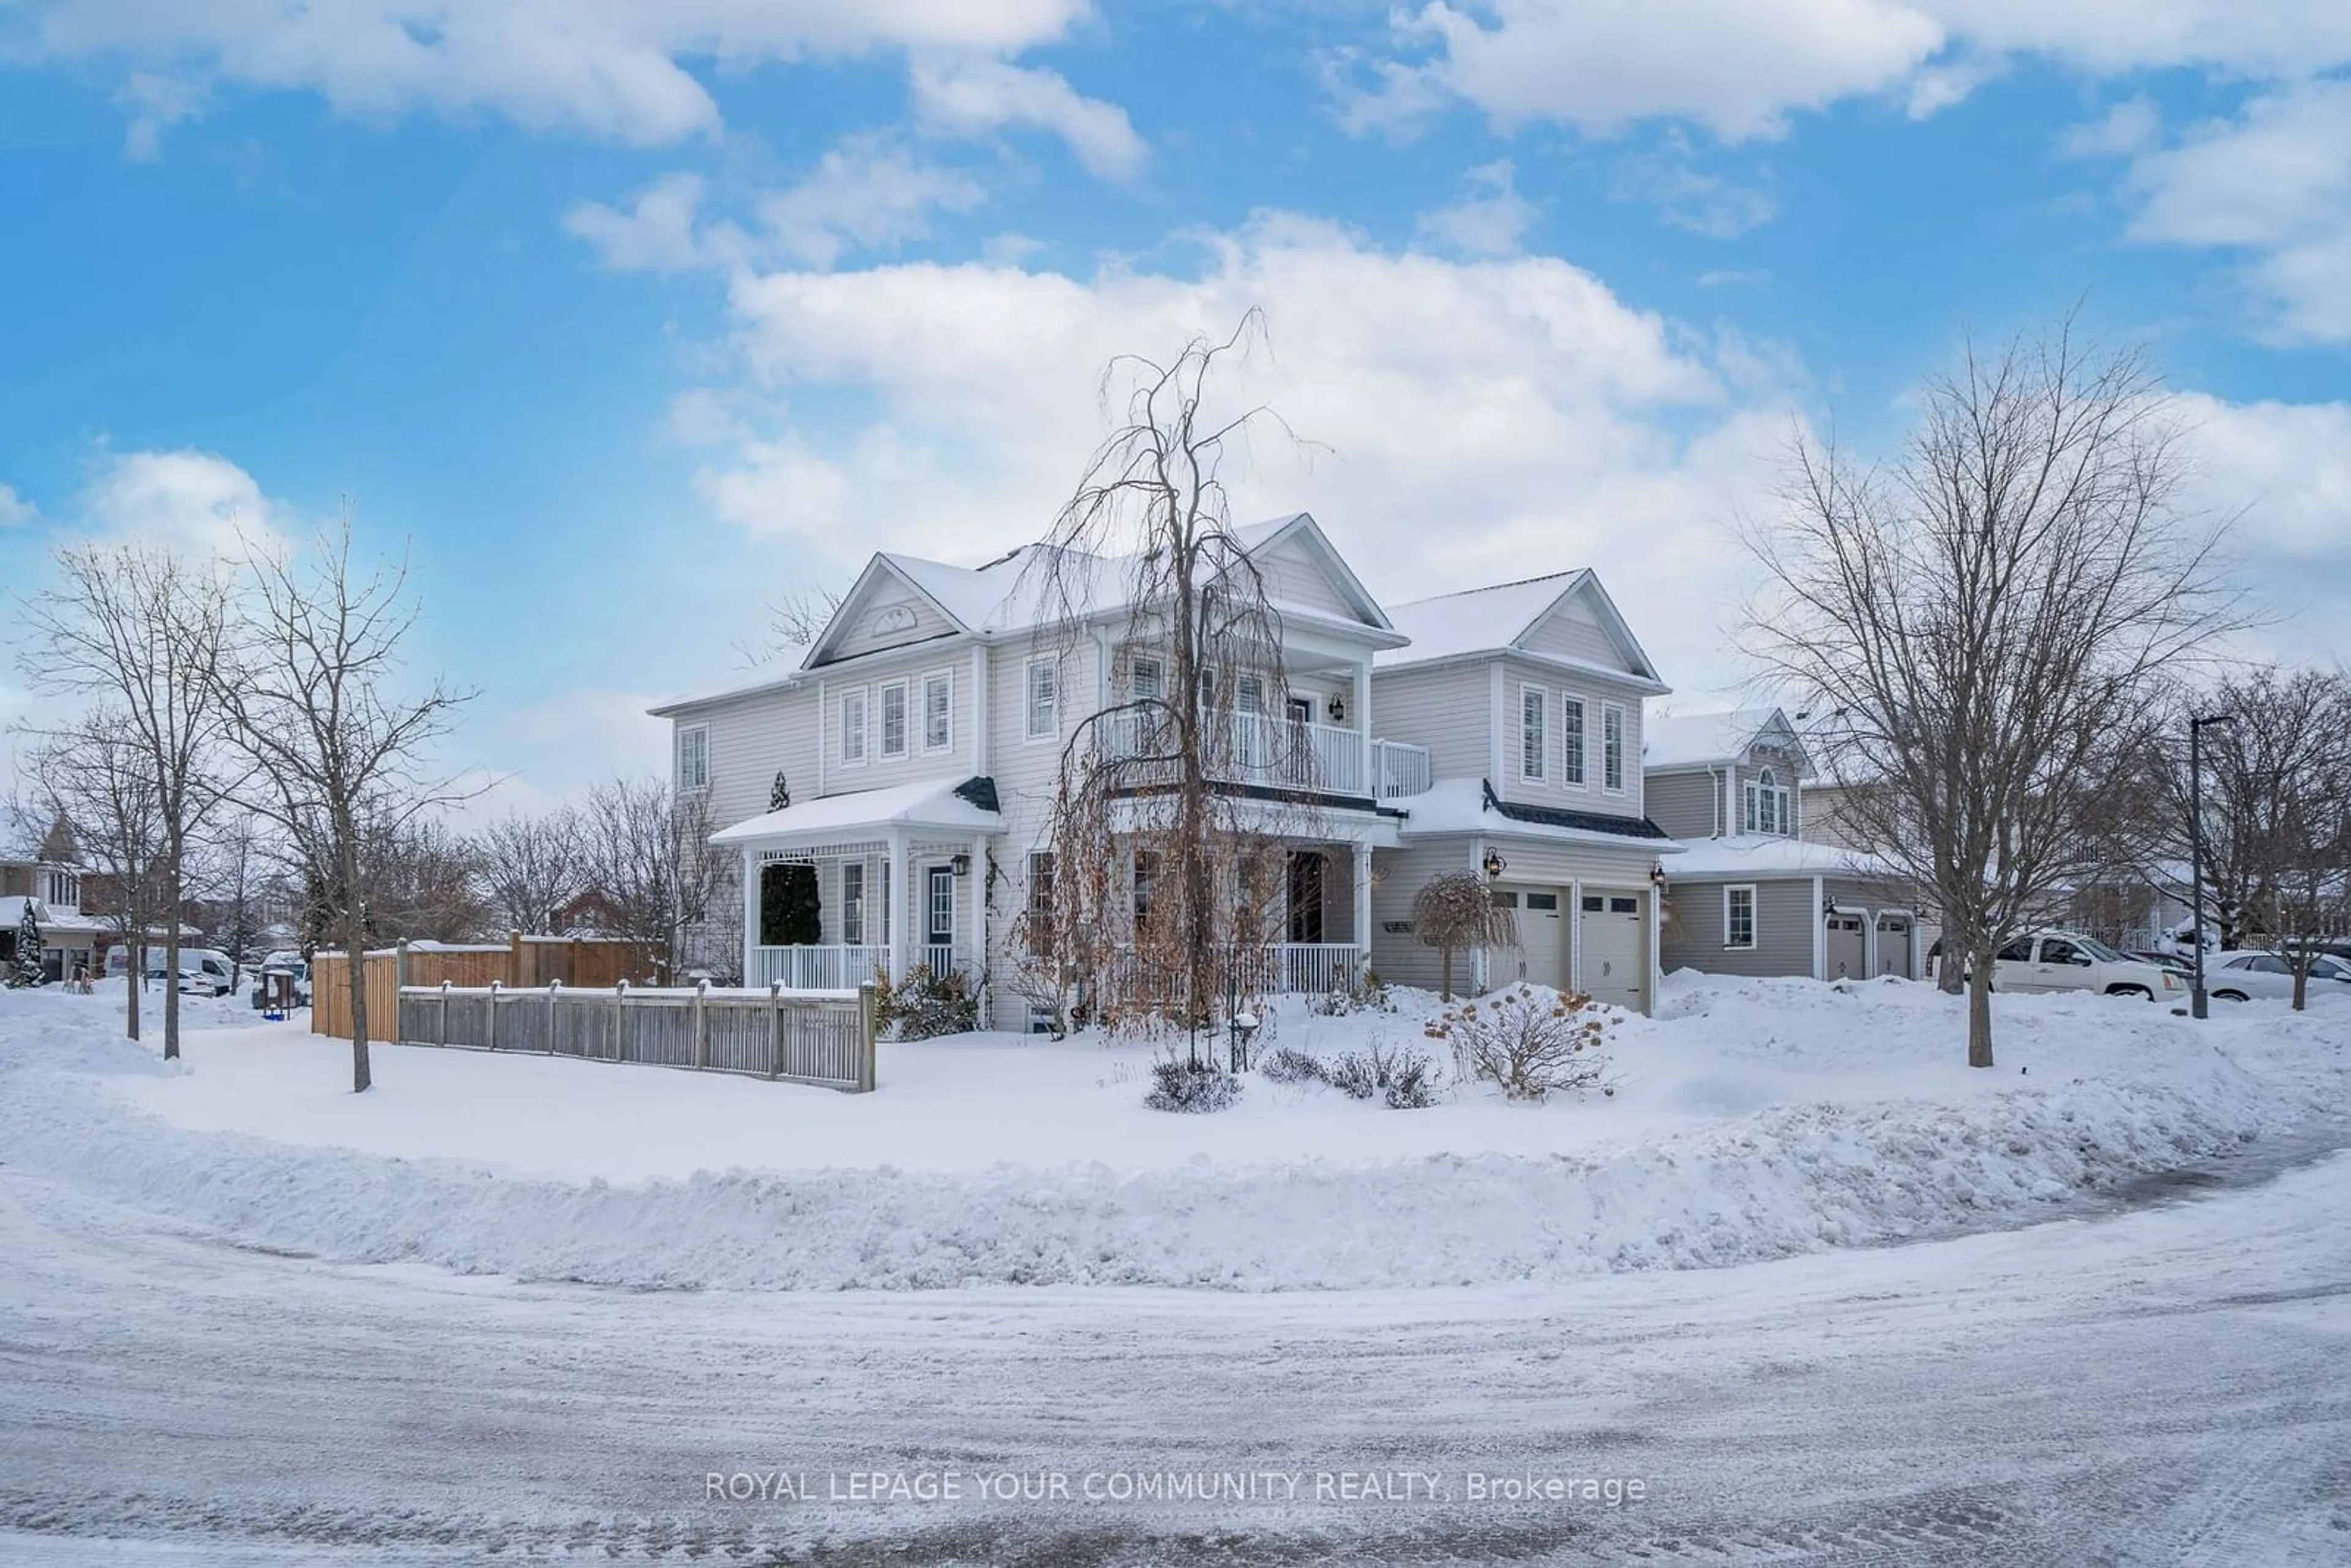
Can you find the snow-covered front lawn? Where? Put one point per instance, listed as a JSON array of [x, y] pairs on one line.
[[1752, 1118]]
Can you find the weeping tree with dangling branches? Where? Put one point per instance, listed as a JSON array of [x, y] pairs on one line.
[[1166, 879]]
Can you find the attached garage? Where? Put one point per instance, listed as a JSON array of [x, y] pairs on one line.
[[1541, 958], [1895, 951], [1613, 946]]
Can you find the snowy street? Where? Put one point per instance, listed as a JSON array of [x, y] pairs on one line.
[[2169, 1384]]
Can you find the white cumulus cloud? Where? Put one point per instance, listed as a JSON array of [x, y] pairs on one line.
[[972, 95]]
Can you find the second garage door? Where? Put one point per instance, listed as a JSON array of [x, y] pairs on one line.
[[1613, 936]]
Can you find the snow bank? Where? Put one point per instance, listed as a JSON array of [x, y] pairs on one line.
[[1759, 1119]]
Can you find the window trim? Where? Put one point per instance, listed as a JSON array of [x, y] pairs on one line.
[[857, 903], [1575, 764], [1029, 734], [1754, 917], [1540, 752], [929, 679], [904, 689], [863, 697], [677, 761], [1135, 664], [1624, 742], [1764, 789]]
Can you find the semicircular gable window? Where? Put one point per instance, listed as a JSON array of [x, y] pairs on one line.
[[893, 618]]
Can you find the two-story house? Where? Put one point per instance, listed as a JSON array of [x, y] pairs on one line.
[[51, 883], [918, 742], [1766, 885]]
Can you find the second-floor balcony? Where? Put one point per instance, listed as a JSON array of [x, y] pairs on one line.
[[1256, 748]]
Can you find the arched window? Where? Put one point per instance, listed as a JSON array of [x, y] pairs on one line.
[[1767, 804]]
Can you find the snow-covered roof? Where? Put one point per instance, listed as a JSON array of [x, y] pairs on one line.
[[1703, 740], [773, 674], [1499, 618], [1468, 806], [952, 805], [53, 921], [1765, 856]]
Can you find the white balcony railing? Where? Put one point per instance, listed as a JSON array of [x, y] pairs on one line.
[[1400, 769], [1253, 748], [835, 967], [1291, 968]]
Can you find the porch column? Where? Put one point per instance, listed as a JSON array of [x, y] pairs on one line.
[[1363, 900], [978, 937], [1820, 933], [895, 876], [750, 914], [1362, 700]]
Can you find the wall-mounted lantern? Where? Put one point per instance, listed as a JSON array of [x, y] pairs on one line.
[[1495, 864]]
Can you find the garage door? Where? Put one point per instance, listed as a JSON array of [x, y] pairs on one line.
[[1612, 934], [1894, 945], [1844, 957], [1542, 940]]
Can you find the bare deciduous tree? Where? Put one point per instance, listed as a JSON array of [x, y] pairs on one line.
[[91, 773], [2277, 807], [1455, 913], [531, 867], [310, 691], [143, 631], [1165, 878], [1986, 619], [648, 853]]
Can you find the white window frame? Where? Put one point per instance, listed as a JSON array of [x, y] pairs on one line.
[[1764, 808], [1574, 745], [1753, 922], [1534, 745], [1157, 687], [859, 698], [1612, 753], [935, 679], [1031, 733], [853, 905], [905, 746], [701, 734]]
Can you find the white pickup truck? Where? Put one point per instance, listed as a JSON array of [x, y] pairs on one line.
[[2069, 961]]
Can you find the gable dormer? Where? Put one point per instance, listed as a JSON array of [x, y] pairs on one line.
[[1582, 625], [1303, 570], [885, 608]]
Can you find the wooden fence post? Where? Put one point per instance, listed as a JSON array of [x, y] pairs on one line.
[[514, 977], [399, 963], [620, 1021], [867, 1000], [443, 1039], [701, 1023], [493, 1015], [776, 1028]]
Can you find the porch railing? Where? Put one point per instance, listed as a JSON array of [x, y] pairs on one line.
[[1253, 748], [1291, 968], [1400, 769], [844, 969]]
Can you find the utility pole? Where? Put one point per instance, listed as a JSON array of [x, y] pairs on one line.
[[2199, 1004]]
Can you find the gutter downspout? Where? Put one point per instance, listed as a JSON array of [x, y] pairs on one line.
[[1720, 787]]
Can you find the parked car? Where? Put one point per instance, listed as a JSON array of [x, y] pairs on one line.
[[203, 970], [2183, 968], [2245, 975], [2069, 961], [286, 963]]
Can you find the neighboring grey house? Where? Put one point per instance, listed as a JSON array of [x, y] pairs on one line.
[[1757, 893], [919, 740]]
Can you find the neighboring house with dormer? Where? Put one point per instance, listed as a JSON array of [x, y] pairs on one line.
[[1762, 889], [70, 940], [918, 743]]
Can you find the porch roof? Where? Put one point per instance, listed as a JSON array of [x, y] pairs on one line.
[[1470, 806], [962, 807], [1759, 857]]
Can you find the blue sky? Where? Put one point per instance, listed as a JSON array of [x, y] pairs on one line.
[[626, 319]]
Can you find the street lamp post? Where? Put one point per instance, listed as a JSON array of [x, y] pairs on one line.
[[2199, 1004]]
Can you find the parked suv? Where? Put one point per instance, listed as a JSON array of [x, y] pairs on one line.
[[2069, 961], [201, 970]]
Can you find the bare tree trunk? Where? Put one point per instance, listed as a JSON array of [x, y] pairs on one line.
[[170, 955], [1979, 1008], [1445, 974], [355, 966]]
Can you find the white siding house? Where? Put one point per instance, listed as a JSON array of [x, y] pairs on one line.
[[919, 739]]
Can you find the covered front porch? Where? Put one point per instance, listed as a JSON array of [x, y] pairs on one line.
[[845, 890]]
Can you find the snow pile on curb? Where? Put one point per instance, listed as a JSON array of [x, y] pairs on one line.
[[1782, 1179]]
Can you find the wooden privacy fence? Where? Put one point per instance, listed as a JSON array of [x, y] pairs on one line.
[[598, 962], [826, 1040]]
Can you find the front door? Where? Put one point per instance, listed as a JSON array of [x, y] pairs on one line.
[[1844, 957], [939, 916], [1542, 941], [1613, 934], [1305, 896]]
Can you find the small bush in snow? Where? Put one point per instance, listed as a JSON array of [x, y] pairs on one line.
[[925, 1006], [1357, 993], [1285, 1065], [1532, 1043], [1177, 1085], [1399, 1073]]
